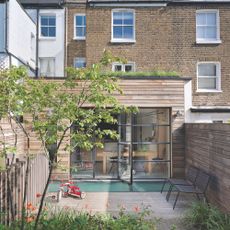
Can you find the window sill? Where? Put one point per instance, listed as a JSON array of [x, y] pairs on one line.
[[47, 38], [123, 41], [208, 42], [79, 38], [209, 91]]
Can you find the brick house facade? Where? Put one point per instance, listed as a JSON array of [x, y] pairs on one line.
[[165, 40]]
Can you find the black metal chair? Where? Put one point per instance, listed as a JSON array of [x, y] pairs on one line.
[[189, 180], [199, 187]]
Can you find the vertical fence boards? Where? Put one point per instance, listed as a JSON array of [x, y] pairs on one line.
[[38, 175], [208, 148]]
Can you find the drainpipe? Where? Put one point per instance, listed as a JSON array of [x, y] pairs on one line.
[[66, 39], [6, 32], [37, 44]]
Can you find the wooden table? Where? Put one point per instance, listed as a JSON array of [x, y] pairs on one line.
[[147, 155]]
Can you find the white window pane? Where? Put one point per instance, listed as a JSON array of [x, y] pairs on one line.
[[211, 18], [117, 31], [79, 20], [44, 20], [80, 32], [79, 63], [44, 31], [117, 18], [129, 68], [52, 31], [201, 19], [128, 32], [211, 32], [117, 68], [208, 69], [200, 32], [207, 83], [128, 18], [52, 21]]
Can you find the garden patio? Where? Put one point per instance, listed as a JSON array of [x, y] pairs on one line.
[[131, 202]]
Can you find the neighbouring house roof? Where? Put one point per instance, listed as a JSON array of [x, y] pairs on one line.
[[42, 3], [140, 3], [149, 1], [143, 1]]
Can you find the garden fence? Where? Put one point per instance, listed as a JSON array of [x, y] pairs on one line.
[[12, 186]]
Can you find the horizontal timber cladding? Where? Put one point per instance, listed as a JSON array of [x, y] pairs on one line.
[[148, 94], [208, 148], [12, 135]]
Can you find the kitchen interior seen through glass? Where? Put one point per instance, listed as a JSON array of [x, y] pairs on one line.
[[144, 145]]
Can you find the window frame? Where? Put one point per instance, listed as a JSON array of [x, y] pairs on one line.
[[124, 40], [205, 40], [80, 58], [75, 37], [123, 66], [40, 26], [217, 77]]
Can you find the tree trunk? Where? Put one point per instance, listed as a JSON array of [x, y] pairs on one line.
[[43, 197], [9, 193]]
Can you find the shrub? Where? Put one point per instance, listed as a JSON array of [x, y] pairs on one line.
[[204, 216], [67, 219]]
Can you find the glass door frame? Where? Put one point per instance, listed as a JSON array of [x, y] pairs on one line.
[[131, 144]]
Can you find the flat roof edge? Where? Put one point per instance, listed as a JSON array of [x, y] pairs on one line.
[[176, 78], [210, 110]]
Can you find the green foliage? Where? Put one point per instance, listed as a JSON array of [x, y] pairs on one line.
[[207, 217], [173, 227], [69, 219], [80, 103], [145, 74], [56, 108]]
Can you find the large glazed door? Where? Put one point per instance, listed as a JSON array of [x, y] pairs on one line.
[[125, 167]]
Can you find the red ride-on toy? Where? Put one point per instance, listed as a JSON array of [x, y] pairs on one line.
[[69, 189]]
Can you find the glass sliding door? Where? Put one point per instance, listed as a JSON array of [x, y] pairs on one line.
[[151, 143], [143, 150]]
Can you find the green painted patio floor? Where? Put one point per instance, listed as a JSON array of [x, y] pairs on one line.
[[114, 186]]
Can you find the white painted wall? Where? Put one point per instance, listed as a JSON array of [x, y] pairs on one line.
[[200, 117], [2, 27], [54, 47], [209, 117], [20, 28]]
